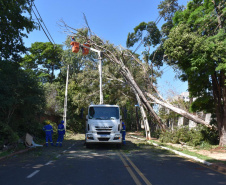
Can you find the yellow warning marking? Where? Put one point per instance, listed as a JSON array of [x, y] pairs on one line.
[[137, 170], [136, 180]]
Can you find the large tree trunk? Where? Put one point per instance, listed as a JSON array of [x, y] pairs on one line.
[[222, 133], [144, 117], [179, 111], [219, 95], [129, 78]]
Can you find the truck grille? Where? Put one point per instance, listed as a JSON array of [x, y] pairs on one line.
[[103, 139], [103, 128], [103, 133]]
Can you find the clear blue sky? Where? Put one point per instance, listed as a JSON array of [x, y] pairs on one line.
[[109, 19]]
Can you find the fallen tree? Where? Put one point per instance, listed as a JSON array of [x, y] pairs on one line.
[[118, 57]]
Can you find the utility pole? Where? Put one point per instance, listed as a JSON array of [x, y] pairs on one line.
[[100, 74], [100, 70], [65, 100]]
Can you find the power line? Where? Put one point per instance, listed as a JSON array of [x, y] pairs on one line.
[[40, 18], [165, 68], [156, 22], [147, 34], [43, 23]]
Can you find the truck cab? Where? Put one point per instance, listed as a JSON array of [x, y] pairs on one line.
[[103, 125]]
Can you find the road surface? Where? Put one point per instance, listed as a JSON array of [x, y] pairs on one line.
[[133, 164]]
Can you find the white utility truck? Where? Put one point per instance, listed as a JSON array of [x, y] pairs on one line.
[[103, 125]]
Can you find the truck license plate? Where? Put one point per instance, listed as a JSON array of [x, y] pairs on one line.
[[103, 135]]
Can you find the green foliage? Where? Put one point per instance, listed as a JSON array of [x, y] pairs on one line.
[[196, 44], [155, 134], [7, 135], [204, 103], [152, 38], [54, 97], [14, 26], [76, 124], [167, 9], [21, 97], [22, 102], [44, 59], [198, 136]]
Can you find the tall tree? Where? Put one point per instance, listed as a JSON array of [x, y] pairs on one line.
[[197, 46], [20, 94], [44, 58], [14, 27]]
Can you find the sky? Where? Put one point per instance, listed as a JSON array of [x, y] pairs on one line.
[[109, 19]]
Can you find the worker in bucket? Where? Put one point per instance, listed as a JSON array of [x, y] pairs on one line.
[[49, 131], [61, 132], [123, 133]]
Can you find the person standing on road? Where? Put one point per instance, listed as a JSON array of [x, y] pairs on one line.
[[123, 133], [49, 131], [61, 132]]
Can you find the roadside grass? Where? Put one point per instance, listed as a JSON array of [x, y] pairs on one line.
[[187, 151], [18, 147], [4, 153], [191, 153]]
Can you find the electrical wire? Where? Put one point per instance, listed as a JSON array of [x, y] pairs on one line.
[[156, 22], [42, 26], [43, 22]]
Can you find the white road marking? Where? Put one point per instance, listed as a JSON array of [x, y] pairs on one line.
[[34, 173], [49, 163], [58, 156]]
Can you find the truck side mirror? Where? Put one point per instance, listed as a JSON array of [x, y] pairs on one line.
[[86, 117]]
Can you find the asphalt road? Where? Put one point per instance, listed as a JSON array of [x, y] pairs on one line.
[[73, 164]]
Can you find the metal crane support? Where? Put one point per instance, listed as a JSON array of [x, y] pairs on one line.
[[100, 71]]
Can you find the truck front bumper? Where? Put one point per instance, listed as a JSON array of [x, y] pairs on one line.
[[97, 138]]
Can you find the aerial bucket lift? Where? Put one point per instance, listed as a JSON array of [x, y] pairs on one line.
[[103, 122]]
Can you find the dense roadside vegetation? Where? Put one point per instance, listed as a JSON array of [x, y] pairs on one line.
[[192, 41]]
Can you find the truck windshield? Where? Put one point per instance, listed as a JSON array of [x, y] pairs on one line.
[[104, 113]]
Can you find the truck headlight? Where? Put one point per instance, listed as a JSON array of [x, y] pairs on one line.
[[89, 135], [117, 135]]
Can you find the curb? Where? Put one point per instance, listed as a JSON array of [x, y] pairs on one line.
[[214, 166]]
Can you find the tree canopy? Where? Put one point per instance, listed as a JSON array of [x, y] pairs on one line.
[[14, 27], [44, 59], [196, 44], [21, 96]]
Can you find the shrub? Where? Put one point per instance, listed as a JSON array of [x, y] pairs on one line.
[[200, 135], [155, 134], [7, 135]]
